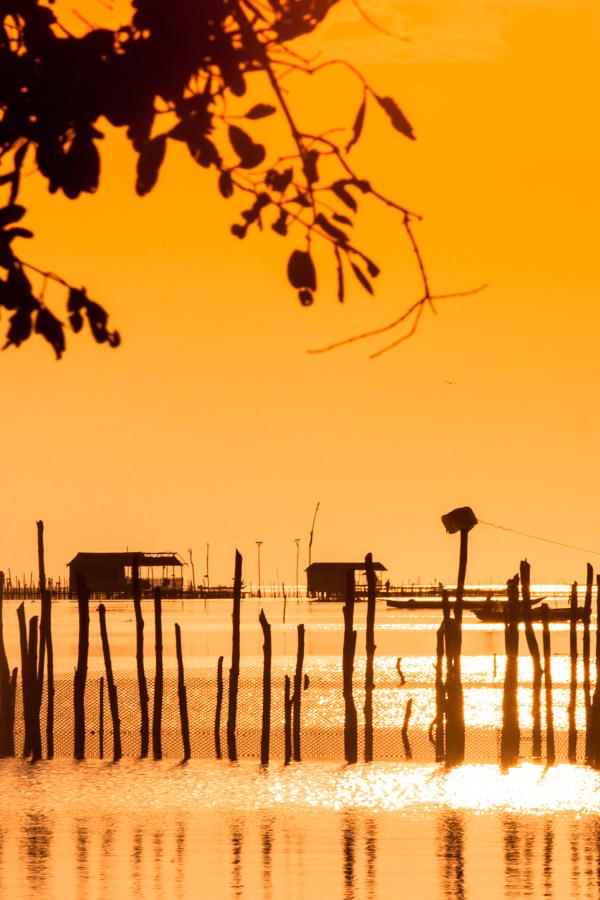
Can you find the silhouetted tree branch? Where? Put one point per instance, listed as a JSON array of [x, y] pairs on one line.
[[172, 74]]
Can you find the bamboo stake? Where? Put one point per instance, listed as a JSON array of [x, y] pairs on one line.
[[349, 649], [234, 671], [265, 735], [33, 692], [550, 751], [24, 679], [139, 658], [370, 648], [182, 695], [6, 733], [572, 752], [218, 707], [405, 741], [440, 697], [510, 737], [83, 604], [297, 698], [158, 678], [101, 720], [534, 650], [110, 686], [587, 691], [287, 722], [45, 646]]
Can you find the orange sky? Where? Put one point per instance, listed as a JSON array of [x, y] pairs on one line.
[[212, 423]]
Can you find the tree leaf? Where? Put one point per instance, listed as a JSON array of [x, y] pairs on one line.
[[396, 116], [149, 162], [336, 233], [250, 154], [306, 298], [11, 213], [340, 275], [362, 278], [260, 111], [339, 189], [301, 270], [309, 164], [358, 125], [51, 328], [225, 184]]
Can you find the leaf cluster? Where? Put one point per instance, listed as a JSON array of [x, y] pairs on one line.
[[172, 74]]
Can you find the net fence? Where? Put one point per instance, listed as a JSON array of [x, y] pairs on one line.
[[322, 709]]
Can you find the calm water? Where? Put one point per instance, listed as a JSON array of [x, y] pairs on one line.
[[316, 829]]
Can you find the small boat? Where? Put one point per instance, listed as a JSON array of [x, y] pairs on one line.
[[491, 613], [472, 605]]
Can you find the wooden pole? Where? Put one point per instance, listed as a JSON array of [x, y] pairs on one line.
[[33, 692], [510, 737], [405, 741], [265, 734], [101, 720], [587, 690], [287, 721], [7, 742], [349, 649], [572, 751], [182, 696], [534, 650], [83, 604], [24, 679], [110, 686], [46, 652], [550, 751], [158, 678], [370, 648], [218, 707], [139, 658], [234, 671], [297, 698], [440, 697]]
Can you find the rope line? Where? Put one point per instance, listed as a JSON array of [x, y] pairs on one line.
[[536, 537]]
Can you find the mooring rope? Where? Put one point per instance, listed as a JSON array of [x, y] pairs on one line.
[[537, 537]]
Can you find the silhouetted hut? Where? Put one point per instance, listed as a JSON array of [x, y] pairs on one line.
[[328, 580], [110, 574]]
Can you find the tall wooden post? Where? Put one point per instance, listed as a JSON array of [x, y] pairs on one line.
[[7, 741], [218, 708], [139, 658], [33, 692], [83, 606], [510, 737], [370, 648], [234, 671], [265, 734], [550, 749], [297, 699], [587, 690], [349, 649], [573, 675], [534, 650], [182, 696], [111, 687], [25, 680], [158, 677]]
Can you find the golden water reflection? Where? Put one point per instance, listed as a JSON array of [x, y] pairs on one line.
[[343, 833]]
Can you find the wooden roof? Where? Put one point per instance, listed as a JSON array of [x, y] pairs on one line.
[[344, 566], [167, 558]]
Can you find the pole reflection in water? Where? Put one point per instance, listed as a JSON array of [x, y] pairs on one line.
[[519, 838], [36, 841], [106, 860], [266, 842], [82, 839], [136, 860], [371, 857], [348, 851], [548, 857], [575, 839], [157, 842], [451, 852], [180, 855], [237, 838]]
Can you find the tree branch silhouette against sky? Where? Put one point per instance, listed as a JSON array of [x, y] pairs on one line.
[[181, 72]]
